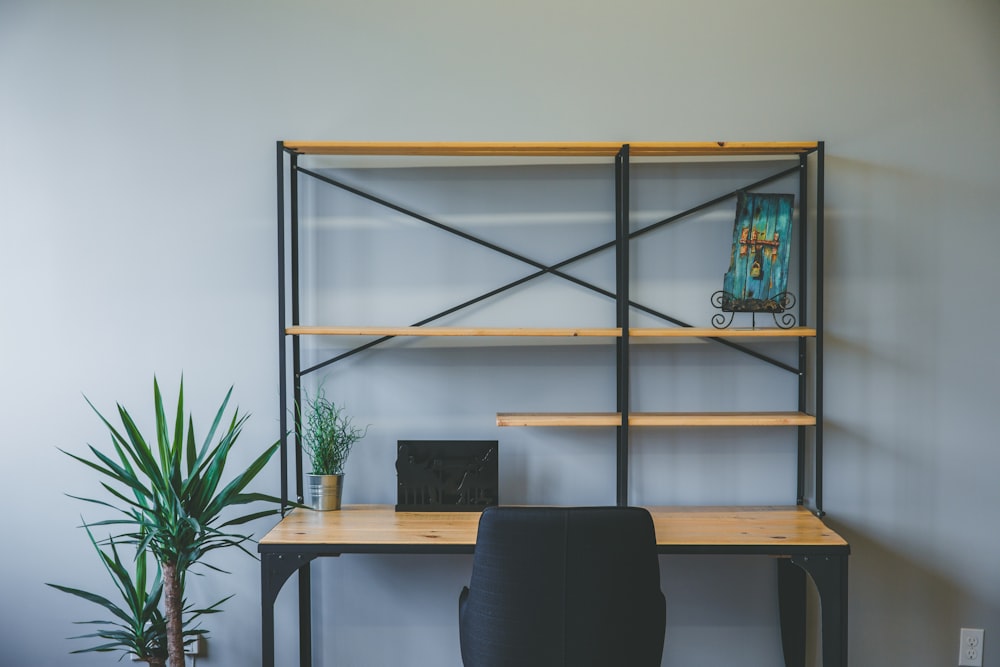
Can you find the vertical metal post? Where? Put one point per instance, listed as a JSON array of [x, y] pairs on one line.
[[829, 574], [304, 578], [282, 362], [820, 269], [305, 615], [296, 320], [804, 282], [267, 604], [622, 309], [792, 612]]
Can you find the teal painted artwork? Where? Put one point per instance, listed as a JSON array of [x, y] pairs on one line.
[[757, 279]]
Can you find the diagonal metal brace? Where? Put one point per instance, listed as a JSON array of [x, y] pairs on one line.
[[543, 269], [275, 569]]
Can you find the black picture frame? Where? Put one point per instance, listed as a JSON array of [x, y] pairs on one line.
[[446, 475]]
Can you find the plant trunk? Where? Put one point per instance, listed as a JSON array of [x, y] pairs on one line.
[[173, 609], [156, 662]]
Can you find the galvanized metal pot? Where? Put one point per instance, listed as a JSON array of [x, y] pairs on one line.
[[325, 491]]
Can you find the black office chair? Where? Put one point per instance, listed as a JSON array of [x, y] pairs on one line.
[[563, 587]]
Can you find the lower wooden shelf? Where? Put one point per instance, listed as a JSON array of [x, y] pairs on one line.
[[656, 419]]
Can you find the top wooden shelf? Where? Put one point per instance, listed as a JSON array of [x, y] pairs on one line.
[[551, 148], [712, 332]]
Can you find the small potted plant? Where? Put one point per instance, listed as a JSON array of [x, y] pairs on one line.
[[327, 436]]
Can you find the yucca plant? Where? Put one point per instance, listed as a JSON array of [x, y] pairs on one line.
[[173, 496], [137, 627]]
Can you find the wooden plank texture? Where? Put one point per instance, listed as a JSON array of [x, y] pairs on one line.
[[742, 527], [551, 148], [708, 148], [721, 419], [559, 419], [374, 525], [673, 419], [380, 526], [711, 332], [538, 332], [460, 148], [554, 332]]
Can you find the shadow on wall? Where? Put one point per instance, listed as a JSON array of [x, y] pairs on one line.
[[903, 613], [910, 406]]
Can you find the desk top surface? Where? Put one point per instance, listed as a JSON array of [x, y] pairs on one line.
[[380, 529]]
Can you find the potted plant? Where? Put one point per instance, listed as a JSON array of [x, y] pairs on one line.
[[170, 491], [327, 436], [137, 627]]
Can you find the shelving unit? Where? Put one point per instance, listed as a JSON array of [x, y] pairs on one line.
[[796, 535], [807, 417]]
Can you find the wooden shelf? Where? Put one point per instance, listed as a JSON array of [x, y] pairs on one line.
[[455, 331], [674, 419], [456, 148], [551, 148], [727, 148], [591, 332], [559, 419], [711, 332], [721, 419]]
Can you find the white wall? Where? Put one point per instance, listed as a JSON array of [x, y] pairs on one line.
[[137, 198]]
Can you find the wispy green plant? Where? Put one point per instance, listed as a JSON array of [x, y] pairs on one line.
[[329, 435], [172, 496]]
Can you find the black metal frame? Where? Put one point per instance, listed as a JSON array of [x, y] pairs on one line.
[[622, 264], [829, 571], [624, 304]]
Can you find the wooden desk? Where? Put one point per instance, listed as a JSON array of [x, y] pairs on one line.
[[802, 543]]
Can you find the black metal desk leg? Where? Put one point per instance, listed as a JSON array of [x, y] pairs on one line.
[[829, 573], [305, 617], [274, 572], [792, 612]]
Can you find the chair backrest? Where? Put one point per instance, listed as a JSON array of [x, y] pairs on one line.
[[563, 587]]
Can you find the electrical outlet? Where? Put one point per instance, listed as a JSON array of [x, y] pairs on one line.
[[197, 647], [970, 648]]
